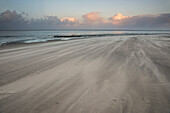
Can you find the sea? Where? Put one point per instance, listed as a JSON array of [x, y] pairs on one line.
[[36, 36]]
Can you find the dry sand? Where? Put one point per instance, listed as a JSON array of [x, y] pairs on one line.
[[128, 74]]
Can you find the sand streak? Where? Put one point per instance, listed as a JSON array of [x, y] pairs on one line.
[[98, 75]]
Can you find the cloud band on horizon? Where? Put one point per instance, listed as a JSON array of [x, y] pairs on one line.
[[11, 20]]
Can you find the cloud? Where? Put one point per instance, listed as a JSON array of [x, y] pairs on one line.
[[116, 20], [10, 16], [119, 16], [92, 17], [52, 22], [121, 20], [71, 19], [11, 20], [141, 21]]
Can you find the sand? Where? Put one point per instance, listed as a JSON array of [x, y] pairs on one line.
[[121, 74]]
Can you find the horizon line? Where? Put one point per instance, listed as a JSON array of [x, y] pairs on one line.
[[86, 30]]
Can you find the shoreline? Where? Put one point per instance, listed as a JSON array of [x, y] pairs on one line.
[[9, 46], [67, 37]]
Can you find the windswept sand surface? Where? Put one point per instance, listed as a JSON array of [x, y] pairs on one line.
[[128, 74]]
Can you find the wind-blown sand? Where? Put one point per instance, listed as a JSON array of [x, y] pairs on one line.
[[128, 74]]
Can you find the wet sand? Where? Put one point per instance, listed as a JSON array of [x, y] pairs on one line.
[[121, 74]]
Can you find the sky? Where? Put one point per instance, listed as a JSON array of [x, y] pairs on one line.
[[31, 14]]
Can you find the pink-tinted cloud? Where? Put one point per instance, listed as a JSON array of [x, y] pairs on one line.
[[92, 17], [119, 16], [71, 19], [117, 19], [141, 21]]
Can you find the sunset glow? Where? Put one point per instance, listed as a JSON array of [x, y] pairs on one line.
[[71, 19], [88, 14], [119, 16], [92, 17]]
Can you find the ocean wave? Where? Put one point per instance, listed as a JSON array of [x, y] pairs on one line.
[[11, 36]]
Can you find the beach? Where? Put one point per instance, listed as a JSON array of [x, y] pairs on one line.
[[120, 74]]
